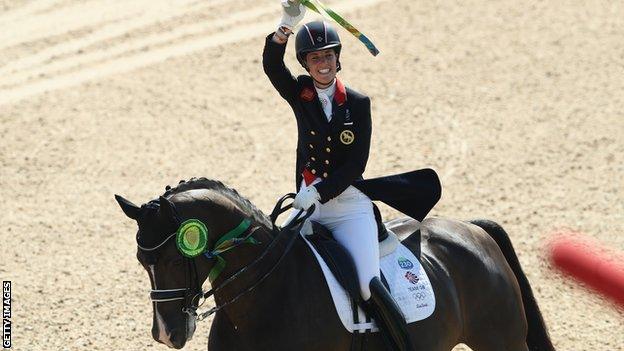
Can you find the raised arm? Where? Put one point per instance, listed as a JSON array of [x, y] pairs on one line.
[[275, 47], [275, 69]]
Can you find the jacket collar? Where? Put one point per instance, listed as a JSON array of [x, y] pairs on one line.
[[308, 93], [340, 96]]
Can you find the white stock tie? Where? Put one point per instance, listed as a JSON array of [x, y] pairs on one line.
[[325, 97], [327, 105]]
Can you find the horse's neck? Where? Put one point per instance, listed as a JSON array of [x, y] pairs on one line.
[[239, 258], [293, 282]]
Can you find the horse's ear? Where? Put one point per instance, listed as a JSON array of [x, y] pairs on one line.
[[131, 210], [166, 207]]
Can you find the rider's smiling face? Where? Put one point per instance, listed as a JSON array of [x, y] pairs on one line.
[[322, 65]]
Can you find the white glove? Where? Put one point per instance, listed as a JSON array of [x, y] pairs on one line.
[[306, 198], [293, 13]]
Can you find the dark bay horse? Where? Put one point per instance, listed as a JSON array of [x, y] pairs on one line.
[[271, 294]]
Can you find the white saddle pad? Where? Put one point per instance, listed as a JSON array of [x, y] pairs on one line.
[[409, 286]]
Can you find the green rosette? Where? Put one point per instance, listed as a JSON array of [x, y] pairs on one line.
[[191, 238]]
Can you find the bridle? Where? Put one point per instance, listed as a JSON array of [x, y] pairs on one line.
[[193, 293]]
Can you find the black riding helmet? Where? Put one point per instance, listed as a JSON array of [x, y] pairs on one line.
[[316, 36]]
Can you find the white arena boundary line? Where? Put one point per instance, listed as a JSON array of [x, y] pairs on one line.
[[77, 17], [151, 40], [126, 64], [105, 32], [26, 11]]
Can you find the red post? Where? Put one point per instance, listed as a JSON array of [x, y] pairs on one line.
[[591, 265]]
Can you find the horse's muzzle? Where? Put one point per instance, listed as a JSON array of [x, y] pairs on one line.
[[175, 339]]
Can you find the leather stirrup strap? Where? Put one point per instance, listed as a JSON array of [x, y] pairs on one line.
[[388, 316]]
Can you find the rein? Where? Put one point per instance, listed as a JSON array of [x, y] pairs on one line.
[[227, 242]]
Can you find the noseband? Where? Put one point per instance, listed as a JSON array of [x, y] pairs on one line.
[[190, 294], [193, 293]]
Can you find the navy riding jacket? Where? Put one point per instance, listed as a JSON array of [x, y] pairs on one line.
[[335, 151]]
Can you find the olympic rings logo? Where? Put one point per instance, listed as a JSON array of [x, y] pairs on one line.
[[419, 296]]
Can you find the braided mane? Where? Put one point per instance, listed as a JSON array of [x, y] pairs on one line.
[[210, 184]]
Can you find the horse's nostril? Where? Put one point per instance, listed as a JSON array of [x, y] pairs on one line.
[[177, 339]]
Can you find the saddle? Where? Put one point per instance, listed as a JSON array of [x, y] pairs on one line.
[[340, 262]]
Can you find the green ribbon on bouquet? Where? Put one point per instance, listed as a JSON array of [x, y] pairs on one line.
[[320, 8]]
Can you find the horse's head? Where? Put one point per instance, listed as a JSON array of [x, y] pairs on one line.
[[178, 260], [166, 267], [176, 280]]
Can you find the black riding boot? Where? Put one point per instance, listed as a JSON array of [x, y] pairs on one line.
[[388, 316]]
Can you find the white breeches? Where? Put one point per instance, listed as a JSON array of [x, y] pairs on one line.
[[350, 218]]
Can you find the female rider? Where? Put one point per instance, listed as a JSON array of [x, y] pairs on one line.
[[334, 130]]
